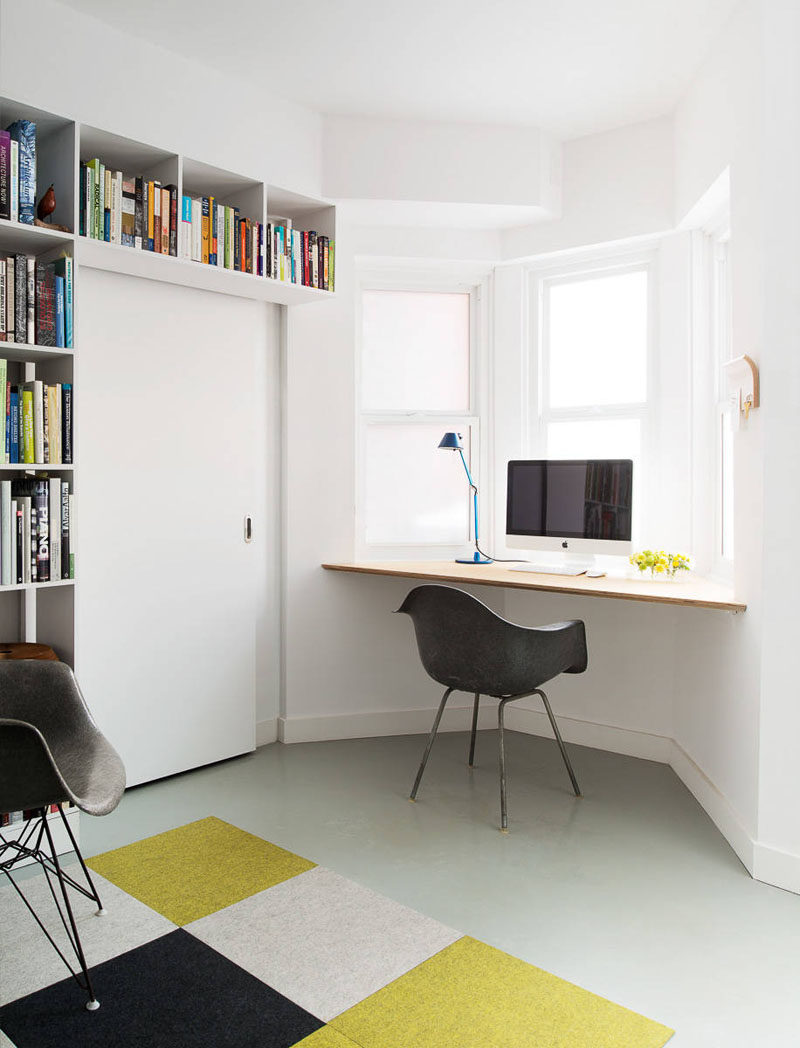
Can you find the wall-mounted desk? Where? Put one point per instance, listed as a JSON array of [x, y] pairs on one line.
[[693, 592]]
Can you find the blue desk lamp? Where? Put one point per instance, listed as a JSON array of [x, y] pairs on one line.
[[452, 442]]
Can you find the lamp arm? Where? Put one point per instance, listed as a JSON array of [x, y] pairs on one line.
[[474, 496]]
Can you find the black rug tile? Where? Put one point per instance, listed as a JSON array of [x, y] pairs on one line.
[[174, 992]]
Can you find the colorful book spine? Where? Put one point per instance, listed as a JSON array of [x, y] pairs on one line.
[[66, 550], [63, 267], [46, 303], [5, 452], [204, 230], [20, 298], [173, 220], [60, 327], [186, 227], [66, 423], [24, 133], [28, 442], [41, 500], [13, 413], [14, 181], [5, 532], [5, 175]]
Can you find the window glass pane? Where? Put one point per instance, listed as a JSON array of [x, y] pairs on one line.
[[606, 438], [727, 487], [415, 351], [597, 341], [416, 493]]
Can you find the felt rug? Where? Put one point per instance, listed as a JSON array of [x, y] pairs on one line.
[[218, 938]]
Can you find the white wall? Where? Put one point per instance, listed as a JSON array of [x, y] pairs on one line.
[[616, 185], [778, 858], [718, 124], [87, 70]]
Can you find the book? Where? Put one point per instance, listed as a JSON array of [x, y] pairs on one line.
[[72, 546], [18, 542], [5, 175], [24, 133], [24, 501], [66, 423], [20, 298], [7, 427], [54, 518], [59, 295], [204, 230], [41, 498], [28, 441], [3, 305], [5, 532], [63, 267], [30, 293], [13, 426], [4, 457], [173, 220], [138, 212], [46, 299], [165, 212], [155, 199], [186, 227], [65, 530], [14, 181]]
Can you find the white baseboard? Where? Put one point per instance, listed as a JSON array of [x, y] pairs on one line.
[[764, 863], [777, 867], [266, 731], [459, 718], [714, 803]]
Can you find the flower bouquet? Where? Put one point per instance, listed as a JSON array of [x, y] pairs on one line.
[[660, 564]]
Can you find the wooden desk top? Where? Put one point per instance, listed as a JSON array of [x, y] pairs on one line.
[[693, 592]]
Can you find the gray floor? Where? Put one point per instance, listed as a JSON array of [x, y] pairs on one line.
[[630, 892]]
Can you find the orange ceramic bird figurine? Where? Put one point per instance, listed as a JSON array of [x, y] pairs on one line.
[[47, 204]]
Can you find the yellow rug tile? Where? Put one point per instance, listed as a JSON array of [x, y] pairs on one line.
[[325, 1037], [198, 869], [471, 995]]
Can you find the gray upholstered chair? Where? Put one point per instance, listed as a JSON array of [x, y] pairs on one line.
[[465, 646], [51, 752]]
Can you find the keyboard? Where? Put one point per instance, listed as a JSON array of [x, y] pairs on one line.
[[549, 569]]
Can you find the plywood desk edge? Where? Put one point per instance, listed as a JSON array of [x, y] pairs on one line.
[[693, 593]]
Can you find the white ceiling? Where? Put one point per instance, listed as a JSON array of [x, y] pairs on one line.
[[572, 67]]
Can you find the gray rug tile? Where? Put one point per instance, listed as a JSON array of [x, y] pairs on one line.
[[27, 960], [322, 940]]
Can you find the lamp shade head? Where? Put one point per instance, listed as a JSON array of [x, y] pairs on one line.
[[452, 442]]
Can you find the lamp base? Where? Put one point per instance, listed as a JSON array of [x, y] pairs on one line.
[[476, 558]]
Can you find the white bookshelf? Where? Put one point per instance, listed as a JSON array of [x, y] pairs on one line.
[[46, 612]]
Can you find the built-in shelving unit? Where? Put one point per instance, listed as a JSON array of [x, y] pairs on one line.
[[45, 612]]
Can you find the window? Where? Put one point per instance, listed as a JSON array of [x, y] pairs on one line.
[[594, 361], [417, 380]]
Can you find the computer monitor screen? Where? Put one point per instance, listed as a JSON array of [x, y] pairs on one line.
[[585, 504]]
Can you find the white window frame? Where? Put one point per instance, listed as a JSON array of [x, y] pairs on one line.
[[611, 262], [464, 280], [717, 236]]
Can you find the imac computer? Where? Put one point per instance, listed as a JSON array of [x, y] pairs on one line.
[[579, 507]]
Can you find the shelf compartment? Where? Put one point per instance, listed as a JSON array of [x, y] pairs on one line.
[[113, 258], [130, 157], [201, 179], [31, 240], [55, 157], [24, 352]]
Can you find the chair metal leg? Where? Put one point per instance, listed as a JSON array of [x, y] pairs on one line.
[[503, 808], [101, 912], [474, 729], [92, 1004], [560, 742], [431, 739]]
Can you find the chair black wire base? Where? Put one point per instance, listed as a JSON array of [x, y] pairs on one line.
[[36, 845], [501, 725]]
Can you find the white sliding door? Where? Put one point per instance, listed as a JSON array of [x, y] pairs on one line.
[[166, 407]]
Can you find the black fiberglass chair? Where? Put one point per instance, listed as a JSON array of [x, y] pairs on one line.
[[465, 646], [52, 752]]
